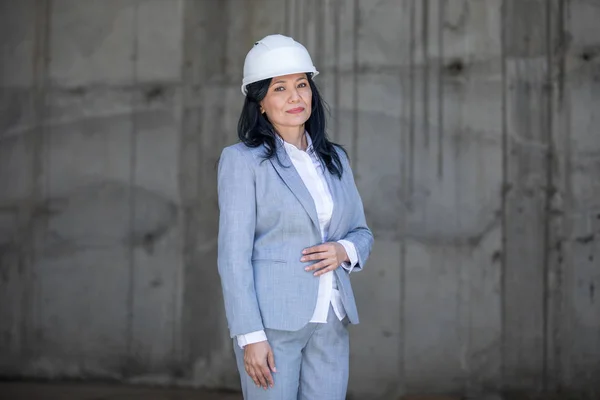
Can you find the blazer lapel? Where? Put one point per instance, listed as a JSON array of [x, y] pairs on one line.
[[336, 190], [292, 179]]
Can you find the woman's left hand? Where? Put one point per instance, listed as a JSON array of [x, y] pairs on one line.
[[330, 254]]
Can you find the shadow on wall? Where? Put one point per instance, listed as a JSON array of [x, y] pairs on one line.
[[105, 214]]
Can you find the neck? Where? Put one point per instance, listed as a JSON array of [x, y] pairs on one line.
[[293, 135]]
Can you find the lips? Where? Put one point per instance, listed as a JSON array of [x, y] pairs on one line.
[[296, 110]]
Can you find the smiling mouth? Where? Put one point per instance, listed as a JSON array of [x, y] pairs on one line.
[[296, 110]]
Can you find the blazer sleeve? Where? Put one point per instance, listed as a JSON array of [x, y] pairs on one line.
[[360, 234], [237, 219]]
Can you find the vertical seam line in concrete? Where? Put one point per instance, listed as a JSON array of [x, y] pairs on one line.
[[547, 90], [355, 67], [286, 17], [43, 140], [305, 13], [425, 46], [223, 100], [179, 292], [503, 192], [31, 300], [442, 17], [568, 202], [411, 83], [336, 68], [404, 194], [320, 28], [297, 21], [132, 165], [562, 111]]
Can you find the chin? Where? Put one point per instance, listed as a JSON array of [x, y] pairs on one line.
[[302, 118]]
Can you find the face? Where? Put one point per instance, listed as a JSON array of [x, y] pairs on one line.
[[288, 101]]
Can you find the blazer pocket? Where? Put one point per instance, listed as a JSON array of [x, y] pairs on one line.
[[269, 260]]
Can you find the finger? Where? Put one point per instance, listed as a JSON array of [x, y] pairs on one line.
[[271, 361], [315, 256], [262, 377], [317, 266], [252, 376], [267, 376], [316, 249], [252, 368], [257, 369], [325, 270]]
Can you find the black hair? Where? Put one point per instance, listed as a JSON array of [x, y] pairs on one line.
[[255, 129]]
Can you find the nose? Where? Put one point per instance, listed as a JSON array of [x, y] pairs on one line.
[[294, 96]]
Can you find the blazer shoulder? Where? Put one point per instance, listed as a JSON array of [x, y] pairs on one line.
[[342, 154], [237, 148], [250, 154]]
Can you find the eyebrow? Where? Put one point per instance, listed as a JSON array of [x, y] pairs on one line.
[[282, 81]]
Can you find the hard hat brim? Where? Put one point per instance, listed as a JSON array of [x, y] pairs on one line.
[[268, 75]]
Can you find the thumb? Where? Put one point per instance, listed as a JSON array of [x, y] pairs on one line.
[[271, 360]]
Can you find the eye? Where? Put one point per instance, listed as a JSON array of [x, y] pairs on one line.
[[302, 85], [278, 89]]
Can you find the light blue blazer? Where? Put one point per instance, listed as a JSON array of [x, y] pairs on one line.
[[267, 217]]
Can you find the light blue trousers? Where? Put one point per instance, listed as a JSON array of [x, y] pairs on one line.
[[312, 363]]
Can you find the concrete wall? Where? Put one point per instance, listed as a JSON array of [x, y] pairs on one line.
[[473, 131]]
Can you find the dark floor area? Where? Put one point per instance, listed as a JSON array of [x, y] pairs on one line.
[[87, 391]]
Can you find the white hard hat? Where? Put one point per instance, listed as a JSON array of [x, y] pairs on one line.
[[276, 55]]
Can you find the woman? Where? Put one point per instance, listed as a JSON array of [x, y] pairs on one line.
[[291, 230]]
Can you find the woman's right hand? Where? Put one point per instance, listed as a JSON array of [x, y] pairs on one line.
[[259, 363]]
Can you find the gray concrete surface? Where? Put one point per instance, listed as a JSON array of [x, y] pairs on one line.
[[90, 391], [80, 391], [473, 132]]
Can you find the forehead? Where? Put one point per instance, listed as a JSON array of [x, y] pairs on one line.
[[288, 78]]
